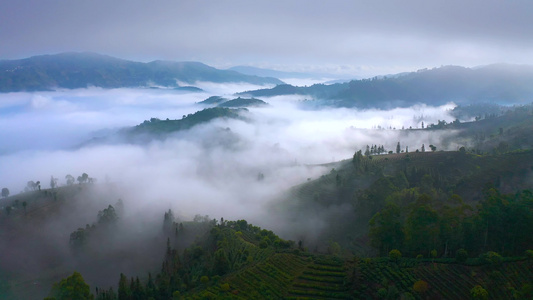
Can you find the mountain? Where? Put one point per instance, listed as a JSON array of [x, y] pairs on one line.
[[243, 102], [501, 84], [213, 100], [81, 70], [272, 73], [237, 102]]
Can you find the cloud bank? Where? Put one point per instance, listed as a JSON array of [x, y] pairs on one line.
[[210, 169]]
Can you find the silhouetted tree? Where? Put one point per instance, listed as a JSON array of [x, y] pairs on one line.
[[70, 179], [398, 148], [83, 178], [53, 182], [107, 216], [5, 192]]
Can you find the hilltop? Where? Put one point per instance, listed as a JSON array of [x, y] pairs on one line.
[[156, 128]]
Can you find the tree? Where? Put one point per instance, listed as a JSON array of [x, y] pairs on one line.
[[478, 292], [433, 148], [398, 149], [386, 230], [53, 182], [32, 186], [395, 254], [5, 192], [83, 178], [124, 291], [24, 204], [420, 287], [422, 226], [72, 287], [461, 255], [70, 179], [423, 148], [107, 216]]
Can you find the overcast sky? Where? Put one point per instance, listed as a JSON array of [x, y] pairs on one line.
[[360, 38]]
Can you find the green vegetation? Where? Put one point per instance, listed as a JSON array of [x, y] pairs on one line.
[[158, 127], [243, 102], [402, 225], [72, 287]]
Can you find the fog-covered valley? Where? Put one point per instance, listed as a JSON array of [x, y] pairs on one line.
[[229, 168], [47, 131], [252, 167]]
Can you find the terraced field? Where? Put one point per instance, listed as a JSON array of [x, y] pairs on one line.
[[283, 276], [444, 280], [321, 279]]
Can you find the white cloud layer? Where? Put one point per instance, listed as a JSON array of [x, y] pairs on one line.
[[206, 170]]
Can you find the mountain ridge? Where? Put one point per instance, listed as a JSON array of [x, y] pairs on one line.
[[83, 69], [498, 83]]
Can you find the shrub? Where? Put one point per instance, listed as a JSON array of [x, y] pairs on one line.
[[478, 292], [529, 254], [204, 279], [224, 287], [395, 254], [491, 257], [176, 295], [420, 286], [461, 255], [382, 293]]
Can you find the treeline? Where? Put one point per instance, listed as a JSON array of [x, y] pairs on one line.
[[106, 221], [416, 224], [226, 246]]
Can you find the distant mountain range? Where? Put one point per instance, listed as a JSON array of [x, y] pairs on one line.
[[500, 84], [81, 70], [271, 73], [248, 70]]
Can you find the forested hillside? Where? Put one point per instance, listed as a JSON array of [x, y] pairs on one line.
[[498, 84], [409, 223]]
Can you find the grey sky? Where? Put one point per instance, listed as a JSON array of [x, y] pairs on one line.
[[348, 37]]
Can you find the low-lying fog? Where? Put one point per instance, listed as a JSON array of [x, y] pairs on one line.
[[191, 172], [211, 169]]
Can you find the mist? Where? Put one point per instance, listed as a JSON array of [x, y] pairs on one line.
[[202, 170], [211, 169]]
